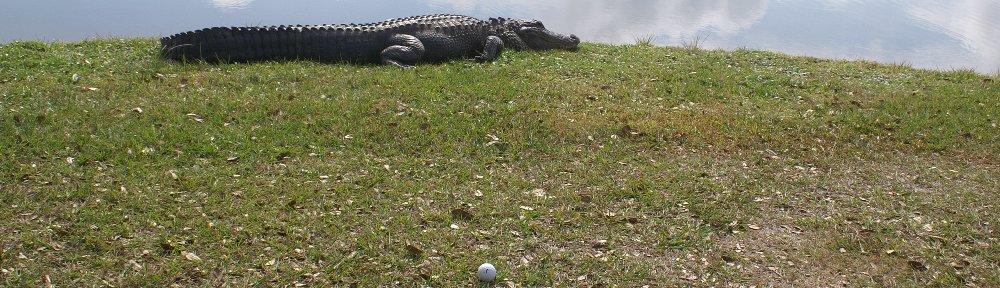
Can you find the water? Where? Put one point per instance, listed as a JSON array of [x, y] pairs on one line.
[[936, 34]]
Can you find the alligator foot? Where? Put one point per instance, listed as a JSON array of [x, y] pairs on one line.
[[403, 51], [494, 46]]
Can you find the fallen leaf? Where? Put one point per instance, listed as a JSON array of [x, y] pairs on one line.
[[195, 117], [796, 230], [600, 244], [283, 155], [460, 213], [754, 227], [413, 251], [135, 265], [526, 208], [728, 258], [928, 227], [538, 192], [629, 132], [167, 246], [586, 198], [632, 220], [582, 277], [959, 265], [137, 110], [424, 270], [190, 256], [917, 265]]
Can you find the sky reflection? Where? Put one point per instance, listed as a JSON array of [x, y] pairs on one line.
[[231, 4]]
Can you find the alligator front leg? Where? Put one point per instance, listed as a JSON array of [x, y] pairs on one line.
[[404, 51], [494, 46]]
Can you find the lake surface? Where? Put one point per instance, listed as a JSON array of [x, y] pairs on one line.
[[936, 34]]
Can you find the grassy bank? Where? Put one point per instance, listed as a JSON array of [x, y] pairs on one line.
[[613, 165]]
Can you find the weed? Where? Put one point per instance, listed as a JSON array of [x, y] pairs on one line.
[[645, 40]]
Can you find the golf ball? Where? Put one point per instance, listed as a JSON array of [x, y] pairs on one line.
[[487, 272]]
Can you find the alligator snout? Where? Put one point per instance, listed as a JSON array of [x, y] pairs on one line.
[[544, 39]]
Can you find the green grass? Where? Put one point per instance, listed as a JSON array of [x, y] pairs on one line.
[[613, 165]]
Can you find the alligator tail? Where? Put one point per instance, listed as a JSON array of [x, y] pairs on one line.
[[230, 44], [203, 44]]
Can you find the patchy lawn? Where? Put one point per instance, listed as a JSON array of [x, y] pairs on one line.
[[615, 166]]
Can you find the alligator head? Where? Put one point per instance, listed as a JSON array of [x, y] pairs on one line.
[[531, 34]]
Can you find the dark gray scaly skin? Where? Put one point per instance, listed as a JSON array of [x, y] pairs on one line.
[[402, 42]]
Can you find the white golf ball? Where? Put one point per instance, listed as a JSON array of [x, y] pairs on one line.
[[487, 272]]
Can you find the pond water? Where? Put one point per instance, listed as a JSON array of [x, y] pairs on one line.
[[936, 34]]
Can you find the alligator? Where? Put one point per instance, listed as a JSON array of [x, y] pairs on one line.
[[402, 42]]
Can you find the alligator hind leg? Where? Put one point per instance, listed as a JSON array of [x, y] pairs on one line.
[[494, 46], [404, 51]]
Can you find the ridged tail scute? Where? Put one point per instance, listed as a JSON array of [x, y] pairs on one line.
[[220, 44], [193, 45]]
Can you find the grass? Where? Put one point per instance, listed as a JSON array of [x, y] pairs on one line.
[[695, 42], [610, 166], [644, 40]]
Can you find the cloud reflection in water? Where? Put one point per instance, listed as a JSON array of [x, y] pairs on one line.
[[622, 21], [231, 4], [924, 33], [973, 22]]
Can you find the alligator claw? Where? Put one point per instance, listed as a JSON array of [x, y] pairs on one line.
[[403, 66]]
